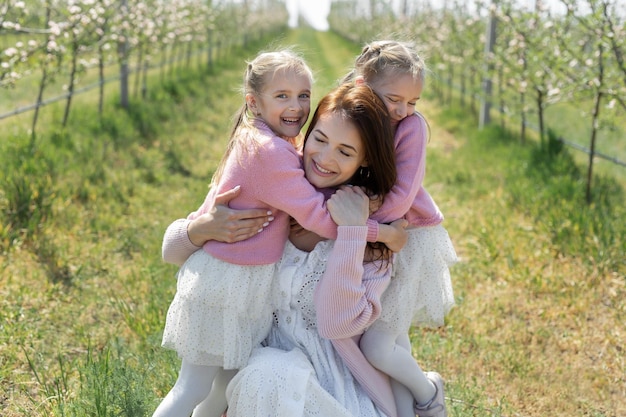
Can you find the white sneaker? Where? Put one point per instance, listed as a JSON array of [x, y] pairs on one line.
[[436, 407]]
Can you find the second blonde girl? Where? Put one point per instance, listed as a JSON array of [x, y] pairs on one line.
[[420, 291]]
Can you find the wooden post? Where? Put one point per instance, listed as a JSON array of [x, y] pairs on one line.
[[123, 51], [484, 118]]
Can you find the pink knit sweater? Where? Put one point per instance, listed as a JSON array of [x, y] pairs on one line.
[[347, 301], [408, 197], [271, 176]]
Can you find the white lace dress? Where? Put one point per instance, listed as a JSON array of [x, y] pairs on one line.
[[298, 373]]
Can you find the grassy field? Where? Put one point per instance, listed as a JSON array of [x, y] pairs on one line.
[[539, 324]]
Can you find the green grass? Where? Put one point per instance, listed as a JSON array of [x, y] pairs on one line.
[[538, 326]]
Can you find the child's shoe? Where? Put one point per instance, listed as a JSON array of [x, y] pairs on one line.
[[436, 407]]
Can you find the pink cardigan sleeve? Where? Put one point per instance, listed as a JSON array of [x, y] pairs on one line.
[[410, 148], [177, 247], [347, 298]]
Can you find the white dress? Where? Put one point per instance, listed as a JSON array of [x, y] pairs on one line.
[[420, 292], [220, 312], [298, 373]]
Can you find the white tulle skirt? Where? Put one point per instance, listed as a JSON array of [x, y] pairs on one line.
[[420, 292], [220, 311]]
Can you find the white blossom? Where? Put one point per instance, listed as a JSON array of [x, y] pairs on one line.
[[553, 91], [55, 29]]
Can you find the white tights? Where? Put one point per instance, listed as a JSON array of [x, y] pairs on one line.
[[391, 353], [197, 385], [215, 404]]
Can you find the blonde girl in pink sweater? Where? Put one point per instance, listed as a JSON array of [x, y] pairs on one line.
[[420, 291], [225, 292]]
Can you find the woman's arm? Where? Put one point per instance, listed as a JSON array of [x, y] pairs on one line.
[[228, 225], [347, 298], [185, 236]]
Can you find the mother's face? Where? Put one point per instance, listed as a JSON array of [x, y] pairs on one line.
[[332, 152]]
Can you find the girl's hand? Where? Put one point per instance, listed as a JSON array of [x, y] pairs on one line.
[[301, 238], [228, 225], [295, 229], [349, 206], [375, 203], [394, 235]]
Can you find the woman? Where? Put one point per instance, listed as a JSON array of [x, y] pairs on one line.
[[323, 306]]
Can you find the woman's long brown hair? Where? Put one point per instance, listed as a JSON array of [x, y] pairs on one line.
[[359, 105]]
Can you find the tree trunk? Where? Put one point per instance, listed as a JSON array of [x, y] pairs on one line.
[[70, 88], [450, 78], [138, 68], [144, 79], [42, 86], [463, 88], [123, 54], [101, 78], [490, 40], [595, 119], [540, 117], [210, 52], [523, 113], [592, 145]]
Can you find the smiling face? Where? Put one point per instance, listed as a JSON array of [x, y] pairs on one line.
[[285, 102], [333, 151], [400, 94]]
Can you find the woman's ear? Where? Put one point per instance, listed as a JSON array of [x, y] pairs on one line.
[[359, 80]]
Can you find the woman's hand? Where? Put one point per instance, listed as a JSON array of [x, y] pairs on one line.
[[228, 225], [349, 206]]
